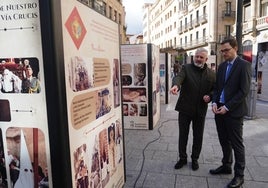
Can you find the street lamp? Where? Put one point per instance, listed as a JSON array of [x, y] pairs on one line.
[[251, 98], [239, 13]]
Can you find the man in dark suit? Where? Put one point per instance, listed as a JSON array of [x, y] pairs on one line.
[[229, 106]]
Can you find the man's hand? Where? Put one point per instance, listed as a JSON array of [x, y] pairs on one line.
[[214, 108], [174, 90], [221, 110]]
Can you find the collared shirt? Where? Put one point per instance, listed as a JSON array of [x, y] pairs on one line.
[[222, 100]]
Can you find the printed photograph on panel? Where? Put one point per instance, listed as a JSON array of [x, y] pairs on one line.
[[140, 74], [87, 165], [116, 83], [143, 109], [126, 80], [134, 95], [112, 148], [104, 157], [80, 74], [3, 168], [133, 110], [103, 103], [81, 166], [26, 157], [119, 141], [96, 161], [19, 75], [125, 110]]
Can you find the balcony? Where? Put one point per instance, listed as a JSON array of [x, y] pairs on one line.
[[195, 43], [262, 23], [203, 18], [228, 14], [169, 49], [180, 30], [190, 25], [95, 5], [98, 7], [193, 5], [248, 27], [184, 28], [221, 37], [184, 10], [86, 2], [196, 22]]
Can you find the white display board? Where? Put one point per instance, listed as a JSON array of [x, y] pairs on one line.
[[141, 86], [24, 139], [92, 70]]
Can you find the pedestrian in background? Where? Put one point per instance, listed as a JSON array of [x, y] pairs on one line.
[[229, 106], [195, 82]]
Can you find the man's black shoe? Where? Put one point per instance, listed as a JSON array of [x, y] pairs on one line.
[[180, 164], [237, 181], [221, 170], [195, 164]]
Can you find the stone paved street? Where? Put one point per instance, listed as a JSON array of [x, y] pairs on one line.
[[151, 154]]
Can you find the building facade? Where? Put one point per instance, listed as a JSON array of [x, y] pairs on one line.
[[112, 9], [180, 27], [134, 39], [255, 42]]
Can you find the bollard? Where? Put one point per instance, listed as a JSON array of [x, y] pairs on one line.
[[251, 100]]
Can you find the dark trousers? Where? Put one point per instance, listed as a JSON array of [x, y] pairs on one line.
[[198, 124], [230, 133]]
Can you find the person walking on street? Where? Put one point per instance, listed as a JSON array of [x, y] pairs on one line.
[[195, 82], [229, 106]]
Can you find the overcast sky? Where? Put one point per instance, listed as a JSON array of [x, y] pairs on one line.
[[133, 10]]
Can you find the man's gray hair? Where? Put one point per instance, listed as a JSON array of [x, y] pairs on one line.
[[201, 50]]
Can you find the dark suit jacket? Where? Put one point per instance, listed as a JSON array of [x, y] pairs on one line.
[[236, 87], [194, 83]]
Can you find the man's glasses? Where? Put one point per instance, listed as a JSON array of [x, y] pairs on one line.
[[225, 50]]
